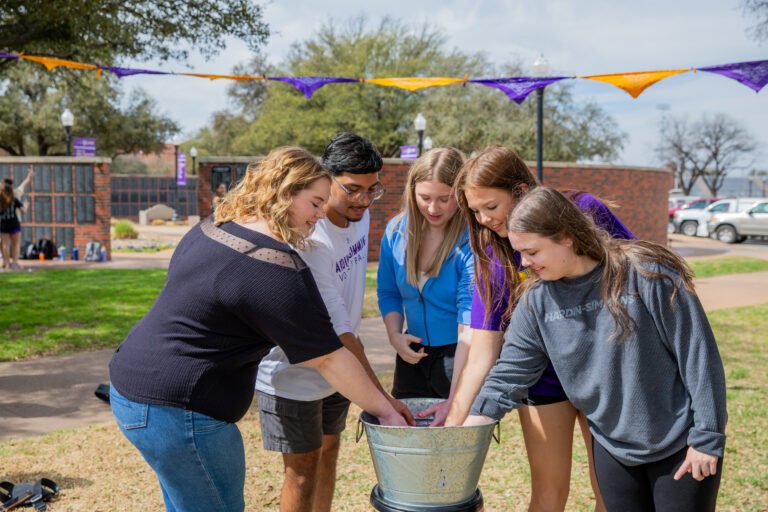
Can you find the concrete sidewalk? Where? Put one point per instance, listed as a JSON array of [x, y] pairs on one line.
[[45, 394]]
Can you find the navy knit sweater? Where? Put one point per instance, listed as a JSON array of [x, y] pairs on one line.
[[219, 313]]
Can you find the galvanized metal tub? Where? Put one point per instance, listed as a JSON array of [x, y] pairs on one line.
[[426, 466]]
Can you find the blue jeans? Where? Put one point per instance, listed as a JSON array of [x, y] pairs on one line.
[[199, 461]]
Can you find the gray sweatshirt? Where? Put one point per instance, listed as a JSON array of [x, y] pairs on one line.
[[645, 398]]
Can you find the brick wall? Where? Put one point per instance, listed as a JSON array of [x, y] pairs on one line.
[[640, 193], [69, 199]]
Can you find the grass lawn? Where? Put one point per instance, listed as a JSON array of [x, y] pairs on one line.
[[711, 267], [99, 470], [72, 310], [64, 311]]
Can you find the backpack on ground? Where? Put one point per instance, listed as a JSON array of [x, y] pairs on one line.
[[28, 494], [47, 248], [28, 251], [93, 251]]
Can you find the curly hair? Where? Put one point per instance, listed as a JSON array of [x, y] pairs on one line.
[[266, 191]]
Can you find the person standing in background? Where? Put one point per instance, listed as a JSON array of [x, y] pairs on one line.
[[10, 246]]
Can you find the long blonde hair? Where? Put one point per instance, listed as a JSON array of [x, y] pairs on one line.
[[266, 191], [551, 214], [442, 165]]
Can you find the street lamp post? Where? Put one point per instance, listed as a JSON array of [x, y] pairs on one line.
[[427, 143], [540, 68], [67, 119], [193, 154], [420, 123], [176, 142]]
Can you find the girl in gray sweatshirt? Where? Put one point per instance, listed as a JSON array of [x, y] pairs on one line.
[[633, 349]]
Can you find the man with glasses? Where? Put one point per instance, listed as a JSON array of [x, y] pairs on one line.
[[301, 415]]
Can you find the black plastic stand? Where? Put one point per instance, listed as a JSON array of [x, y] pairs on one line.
[[381, 504]]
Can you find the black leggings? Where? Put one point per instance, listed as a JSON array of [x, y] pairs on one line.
[[650, 487], [429, 378]]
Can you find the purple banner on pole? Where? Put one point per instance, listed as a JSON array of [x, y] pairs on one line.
[[121, 72], [84, 146], [409, 152], [753, 74], [181, 169], [518, 88], [308, 85], [6, 55]]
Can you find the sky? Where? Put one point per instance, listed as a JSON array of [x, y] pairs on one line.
[[575, 37]]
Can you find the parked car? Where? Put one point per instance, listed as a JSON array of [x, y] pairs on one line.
[[694, 222], [695, 204], [677, 202], [738, 226]]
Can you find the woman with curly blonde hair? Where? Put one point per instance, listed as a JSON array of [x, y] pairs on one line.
[[236, 287]]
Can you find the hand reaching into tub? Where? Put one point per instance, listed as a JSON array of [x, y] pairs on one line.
[[439, 411], [403, 410]]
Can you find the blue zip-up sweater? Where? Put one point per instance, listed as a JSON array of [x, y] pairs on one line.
[[444, 302]]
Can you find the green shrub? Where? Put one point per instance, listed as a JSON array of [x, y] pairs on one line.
[[124, 231]]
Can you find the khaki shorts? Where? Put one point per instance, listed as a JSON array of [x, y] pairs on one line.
[[293, 426]]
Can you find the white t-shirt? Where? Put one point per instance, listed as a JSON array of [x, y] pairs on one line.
[[338, 258]]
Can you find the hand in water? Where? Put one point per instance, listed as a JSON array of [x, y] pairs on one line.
[[439, 411], [394, 419], [403, 410]]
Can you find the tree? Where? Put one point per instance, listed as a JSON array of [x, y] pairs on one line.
[[678, 149], [464, 117], [708, 149], [34, 98], [728, 147], [98, 31], [758, 9]]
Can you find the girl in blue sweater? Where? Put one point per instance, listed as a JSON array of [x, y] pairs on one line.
[[425, 279]]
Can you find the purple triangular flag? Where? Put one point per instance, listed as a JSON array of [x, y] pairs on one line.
[[753, 74], [309, 84], [5, 55], [121, 72], [518, 88]]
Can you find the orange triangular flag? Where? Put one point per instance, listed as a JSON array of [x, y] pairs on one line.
[[51, 63], [635, 83], [223, 77], [413, 83]]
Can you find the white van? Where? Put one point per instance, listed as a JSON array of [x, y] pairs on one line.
[[694, 222]]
